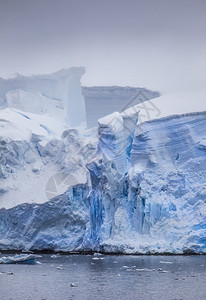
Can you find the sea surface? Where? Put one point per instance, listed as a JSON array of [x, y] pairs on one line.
[[69, 277]]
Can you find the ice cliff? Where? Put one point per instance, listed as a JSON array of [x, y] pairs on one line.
[[57, 94], [126, 186], [160, 204], [104, 100]]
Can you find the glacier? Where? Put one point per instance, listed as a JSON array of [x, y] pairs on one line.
[[57, 94], [128, 186], [104, 100]]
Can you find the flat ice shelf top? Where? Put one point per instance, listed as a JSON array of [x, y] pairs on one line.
[[114, 91]]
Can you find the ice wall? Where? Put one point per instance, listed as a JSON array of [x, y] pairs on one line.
[[131, 188], [62, 89], [58, 224], [104, 100], [115, 137], [159, 205]]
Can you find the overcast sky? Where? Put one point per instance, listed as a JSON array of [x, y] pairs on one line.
[[159, 44]]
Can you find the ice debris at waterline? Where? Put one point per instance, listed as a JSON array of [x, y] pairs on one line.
[[126, 186], [29, 259]]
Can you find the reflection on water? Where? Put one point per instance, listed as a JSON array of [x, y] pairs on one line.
[[63, 277]]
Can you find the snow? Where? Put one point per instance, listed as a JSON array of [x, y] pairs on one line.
[[17, 125], [172, 103], [52, 164], [135, 184]]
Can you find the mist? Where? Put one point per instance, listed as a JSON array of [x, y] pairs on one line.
[[155, 44]]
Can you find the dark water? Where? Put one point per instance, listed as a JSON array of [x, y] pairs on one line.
[[113, 277]]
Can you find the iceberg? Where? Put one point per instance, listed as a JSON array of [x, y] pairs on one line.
[[58, 93], [101, 101], [127, 186], [162, 207]]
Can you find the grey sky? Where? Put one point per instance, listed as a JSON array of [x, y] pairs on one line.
[[158, 44]]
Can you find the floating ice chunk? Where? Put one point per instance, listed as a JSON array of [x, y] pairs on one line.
[[55, 256], [20, 259], [98, 254], [61, 268], [97, 258], [202, 144], [144, 270], [163, 271], [73, 285], [10, 273]]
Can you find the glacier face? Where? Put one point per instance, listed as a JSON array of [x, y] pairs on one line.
[[162, 203], [104, 100], [126, 186], [136, 188], [58, 224]]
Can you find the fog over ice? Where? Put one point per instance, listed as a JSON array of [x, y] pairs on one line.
[[156, 44]]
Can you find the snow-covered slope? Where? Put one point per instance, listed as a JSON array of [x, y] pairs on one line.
[[33, 150], [18, 125], [171, 103]]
